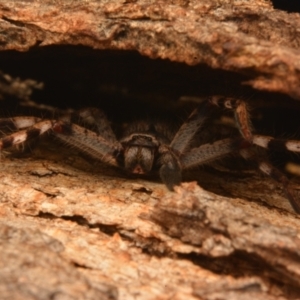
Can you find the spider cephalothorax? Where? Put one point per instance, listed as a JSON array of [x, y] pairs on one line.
[[145, 147], [139, 148]]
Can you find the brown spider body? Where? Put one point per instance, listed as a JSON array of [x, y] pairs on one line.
[[139, 151], [145, 148]]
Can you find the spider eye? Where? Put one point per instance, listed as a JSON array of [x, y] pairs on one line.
[[141, 137]]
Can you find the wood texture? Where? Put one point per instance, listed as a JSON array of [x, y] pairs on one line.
[[74, 230], [250, 37]]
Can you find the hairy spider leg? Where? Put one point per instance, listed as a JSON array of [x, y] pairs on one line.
[[102, 145], [190, 127], [83, 139], [88, 142], [24, 135], [272, 143], [241, 114], [245, 127], [170, 156], [275, 144], [170, 170], [268, 169], [210, 152], [17, 123], [95, 116]]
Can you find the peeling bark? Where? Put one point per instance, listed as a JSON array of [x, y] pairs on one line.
[[249, 37], [71, 229], [137, 238]]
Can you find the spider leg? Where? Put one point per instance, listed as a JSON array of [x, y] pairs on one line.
[[88, 142], [17, 123], [95, 116], [196, 156], [244, 125], [274, 173], [26, 134], [171, 166], [241, 114], [83, 139], [245, 128], [209, 152], [170, 170], [188, 129], [276, 144]]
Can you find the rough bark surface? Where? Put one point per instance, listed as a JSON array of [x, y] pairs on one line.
[[250, 37], [70, 230], [95, 235]]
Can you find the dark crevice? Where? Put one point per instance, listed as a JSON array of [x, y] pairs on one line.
[[16, 23], [152, 246], [77, 265], [49, 195], [289, 6], [107, 229], [143, 190], [241, 264], [79, 76]]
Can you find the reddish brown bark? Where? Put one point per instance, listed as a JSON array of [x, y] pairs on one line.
[[69, 229]]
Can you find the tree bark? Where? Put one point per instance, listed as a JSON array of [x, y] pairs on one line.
[[73, 230]]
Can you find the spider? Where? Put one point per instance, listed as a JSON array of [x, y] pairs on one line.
[[145, 147]]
